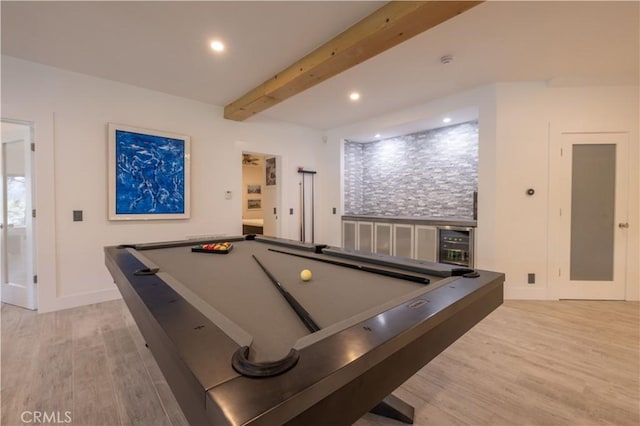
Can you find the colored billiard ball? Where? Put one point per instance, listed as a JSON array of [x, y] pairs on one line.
[[305, 275]]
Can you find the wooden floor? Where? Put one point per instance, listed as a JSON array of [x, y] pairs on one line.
[[528, 363]]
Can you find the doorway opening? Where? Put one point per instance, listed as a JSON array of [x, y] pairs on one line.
[[260, 194], [17, 248]]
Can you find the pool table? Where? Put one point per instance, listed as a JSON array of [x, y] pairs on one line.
[[235, 352]]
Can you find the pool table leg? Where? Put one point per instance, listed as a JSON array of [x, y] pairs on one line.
[[394, 408]]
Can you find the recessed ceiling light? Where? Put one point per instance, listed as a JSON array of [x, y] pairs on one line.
[[354, 96], [377, 135], [446, 120], [217, 45]]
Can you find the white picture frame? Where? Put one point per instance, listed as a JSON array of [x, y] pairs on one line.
[[149, 174]]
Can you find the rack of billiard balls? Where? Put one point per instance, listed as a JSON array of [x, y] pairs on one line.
[[220, 248]]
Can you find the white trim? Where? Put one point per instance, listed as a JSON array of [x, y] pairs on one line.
[[23, 295], [560, 285], [112, 214], [73, 301], [525, 293]]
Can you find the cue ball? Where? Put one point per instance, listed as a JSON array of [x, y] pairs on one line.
[[305, 275]]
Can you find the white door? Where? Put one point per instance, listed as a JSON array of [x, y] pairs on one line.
[[591, 222], [17, 276]]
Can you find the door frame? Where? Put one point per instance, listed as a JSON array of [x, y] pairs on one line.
[[278, 190], [560, 211], [21, 296]]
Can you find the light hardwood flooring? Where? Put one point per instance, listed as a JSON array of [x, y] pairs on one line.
[[528, 363]]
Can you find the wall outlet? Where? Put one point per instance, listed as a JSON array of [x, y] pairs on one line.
[[290, 211], [77, 216], [531, 278]]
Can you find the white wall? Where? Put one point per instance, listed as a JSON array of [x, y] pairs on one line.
[[521, 154], [529, 119], [70, 113], [517, 123], [253, 175]]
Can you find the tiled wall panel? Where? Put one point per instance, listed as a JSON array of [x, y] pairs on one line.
[[353, 175], [430, 173]]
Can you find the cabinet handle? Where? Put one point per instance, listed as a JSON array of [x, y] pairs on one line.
[[623, 225]]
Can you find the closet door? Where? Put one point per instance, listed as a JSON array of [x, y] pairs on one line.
[[383, 238]]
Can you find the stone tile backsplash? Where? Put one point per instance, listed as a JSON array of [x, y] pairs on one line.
[[432, 173]]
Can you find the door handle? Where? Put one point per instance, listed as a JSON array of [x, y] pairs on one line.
[[623, 225]]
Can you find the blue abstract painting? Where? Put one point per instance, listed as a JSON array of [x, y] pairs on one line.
[[149, 174]]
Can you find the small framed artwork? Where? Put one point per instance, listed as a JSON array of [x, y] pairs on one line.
[[254, 189], [254, 204], [270, 167], [148, 174]]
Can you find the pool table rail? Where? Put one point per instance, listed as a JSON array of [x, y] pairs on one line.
[[406, 264], [183, 349]]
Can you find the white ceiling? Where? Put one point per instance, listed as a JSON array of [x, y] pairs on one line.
[[164, 46]]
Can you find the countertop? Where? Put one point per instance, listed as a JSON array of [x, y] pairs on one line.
[[416, 220]]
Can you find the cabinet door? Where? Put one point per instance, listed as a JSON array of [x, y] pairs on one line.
[[349, 234], [426, 243], [403, 240], [383, 238], [365, 236]]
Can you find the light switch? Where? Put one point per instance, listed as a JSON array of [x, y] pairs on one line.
[[77, 215]]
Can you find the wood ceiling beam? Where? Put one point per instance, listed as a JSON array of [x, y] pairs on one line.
[[388, 26]]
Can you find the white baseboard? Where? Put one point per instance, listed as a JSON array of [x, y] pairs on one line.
[[73, 301], [526, 293]]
